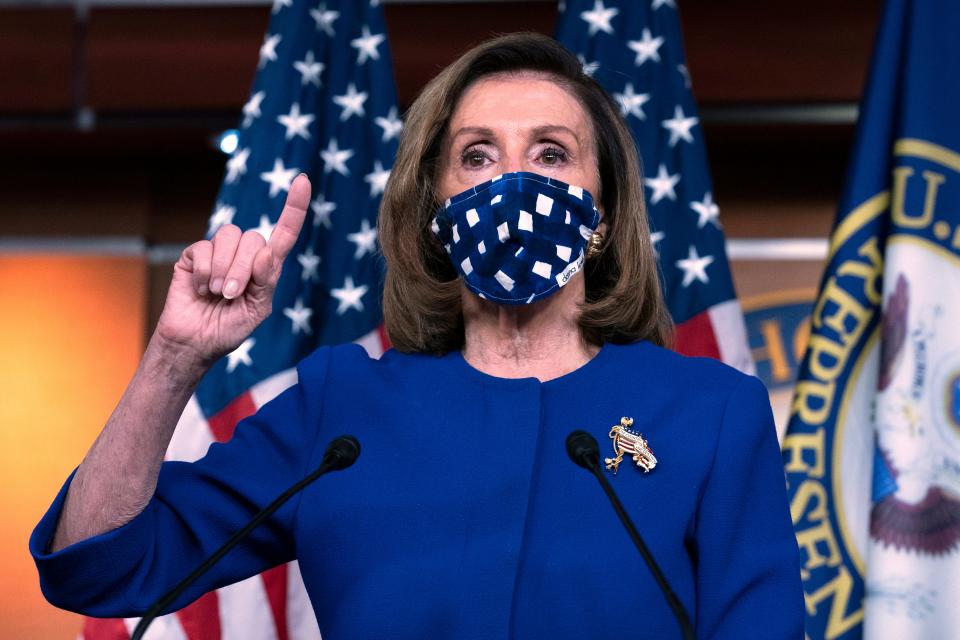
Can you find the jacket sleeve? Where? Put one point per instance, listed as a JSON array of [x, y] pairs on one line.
[[195, 509], [748, 565]]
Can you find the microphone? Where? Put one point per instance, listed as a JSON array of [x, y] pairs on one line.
[[583, 450], [340, 454]]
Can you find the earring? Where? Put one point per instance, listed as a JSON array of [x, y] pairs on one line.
[[595, 244]]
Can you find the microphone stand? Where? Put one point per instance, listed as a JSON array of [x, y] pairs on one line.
[[340, 454], [584, 451]]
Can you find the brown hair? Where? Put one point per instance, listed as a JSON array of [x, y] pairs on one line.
[[421, 298]]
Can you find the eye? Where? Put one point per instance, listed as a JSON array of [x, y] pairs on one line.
[[553, 156], [473, 158]]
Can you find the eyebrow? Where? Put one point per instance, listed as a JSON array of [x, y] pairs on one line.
[[537, 131], [480, 131], [556, 128]]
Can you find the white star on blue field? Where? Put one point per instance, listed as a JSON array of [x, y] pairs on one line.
[[323, 103], [634, 49]]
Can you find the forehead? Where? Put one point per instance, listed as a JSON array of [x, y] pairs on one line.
[[519, 101]]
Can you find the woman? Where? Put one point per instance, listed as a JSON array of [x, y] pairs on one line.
[[519, 312]]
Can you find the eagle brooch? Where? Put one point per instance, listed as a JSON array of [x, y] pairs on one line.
[[626, 440]]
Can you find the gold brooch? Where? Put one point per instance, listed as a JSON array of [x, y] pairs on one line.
[[626, 440]]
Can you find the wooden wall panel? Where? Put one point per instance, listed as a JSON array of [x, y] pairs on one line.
[[74, 201], [36, 60], [777, 181], [172, 57], [426, 38], [755, 51], [202, 58], [183, 195]]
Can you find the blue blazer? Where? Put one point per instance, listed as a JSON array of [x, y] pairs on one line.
[[464, 517]]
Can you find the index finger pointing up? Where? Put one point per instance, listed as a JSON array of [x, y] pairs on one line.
[[288, 227]]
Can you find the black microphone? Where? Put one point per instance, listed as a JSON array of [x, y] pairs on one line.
[[583, 450], [340, 454]]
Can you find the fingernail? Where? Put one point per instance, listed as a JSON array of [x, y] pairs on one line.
[[216, 285], [230, 289], [203, 290]]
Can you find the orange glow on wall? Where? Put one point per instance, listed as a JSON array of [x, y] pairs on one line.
[[71, 334]]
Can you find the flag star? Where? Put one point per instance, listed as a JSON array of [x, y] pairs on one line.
[[680, 126], [663, 3], [599, 19], [351, 102], [296, 123], [647, 48], [655, 238], [280, 4], [335, 159], [589, 68], [300, 316], [707, 210], [240, 355], [349, 296], [391, 125], [365, 239], [265, 228], [631, 104], [221, 216], [237, 164], [367, 44], [322, 210], [377, 179], [309, 69], [694, 267], [662, 185], [309, 261], [324, 18], [280, 178], [682, 68], [268, 50], [251, 110]]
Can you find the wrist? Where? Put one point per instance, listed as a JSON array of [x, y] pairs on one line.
[[175, 361]]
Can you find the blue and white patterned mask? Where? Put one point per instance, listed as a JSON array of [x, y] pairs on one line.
[[518, 237]]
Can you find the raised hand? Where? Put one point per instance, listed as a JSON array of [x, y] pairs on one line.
[[223, 288]]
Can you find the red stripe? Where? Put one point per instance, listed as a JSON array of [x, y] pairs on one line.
[[104, 629], [223, 423], [275, 583], [384, 338], [695, 337], [201, 620]]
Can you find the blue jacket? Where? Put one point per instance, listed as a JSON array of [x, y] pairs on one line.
[[464, 517]]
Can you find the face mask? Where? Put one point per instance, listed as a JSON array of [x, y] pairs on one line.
[[518, 237]]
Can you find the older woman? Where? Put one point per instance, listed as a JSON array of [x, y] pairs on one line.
[[522, 299]]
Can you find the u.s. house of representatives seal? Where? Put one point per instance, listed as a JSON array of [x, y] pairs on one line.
[[877, 496]]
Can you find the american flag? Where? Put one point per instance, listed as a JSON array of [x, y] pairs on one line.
[[634, 48], [323, 103]]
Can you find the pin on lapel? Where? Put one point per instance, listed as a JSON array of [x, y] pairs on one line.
[[626, 440]]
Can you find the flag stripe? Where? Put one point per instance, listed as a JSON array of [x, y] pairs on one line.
[[635, 50], [695, 337], [200, 620], [275, 583], [324, 103], [223, 423], [105, 629], [730, 332]]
